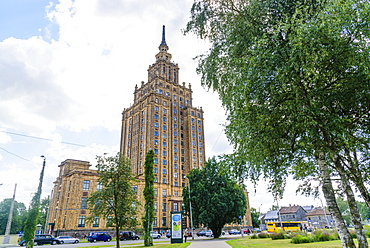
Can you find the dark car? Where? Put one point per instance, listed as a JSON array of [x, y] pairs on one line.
[[99, 236], [128, 235], [42, 239], [201, 233]]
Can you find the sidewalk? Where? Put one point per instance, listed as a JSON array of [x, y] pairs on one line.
[[213, 243]]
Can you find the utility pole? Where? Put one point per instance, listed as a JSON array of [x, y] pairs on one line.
[[10, 217]]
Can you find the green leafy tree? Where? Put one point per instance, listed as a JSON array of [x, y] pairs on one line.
[[149, 198], [255, 217], [116, 199], [19, 215], [294, 78], [44, 208], [216, 199], [33, 212]]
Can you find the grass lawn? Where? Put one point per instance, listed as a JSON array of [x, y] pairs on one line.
[[261, 243]]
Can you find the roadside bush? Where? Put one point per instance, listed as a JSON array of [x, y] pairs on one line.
[[299, 239], [254, 236], [263, 235], [279, 235]]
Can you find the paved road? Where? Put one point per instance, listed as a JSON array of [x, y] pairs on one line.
[[212, 243]]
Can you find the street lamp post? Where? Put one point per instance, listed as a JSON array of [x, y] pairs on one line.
[[191, 213]]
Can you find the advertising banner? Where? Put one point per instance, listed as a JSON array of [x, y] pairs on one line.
[[176, 227]]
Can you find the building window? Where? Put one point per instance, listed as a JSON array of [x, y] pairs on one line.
[[164, 207], [83, 202], [155, 221], [86, 185], [200, 137], [142, 112], [192, 128], [174, 111], [175, 175], [164, 119], [134, 188], [155, 124], [155, 142], [155, 133], [175, 166], [192, 120], [193, 135], [176, 184], [175, 206], [164, 153], [109, 221], [96, 221], [164, 127], [164, 111], [156, 117], [193, 143], [164, 162], [99, 186], [175, 148], [163, 221], [175, 193], [164, 135], [192, 112], [156, 108], [164, 192], [164, 103], [164, 144], [198, 115], [175, 141], [164, 171], [174, 97], [198, 122], [164, 180], [174, 125], [200, 144], [155, 192], [175, 158], [155, 206], [155, 151], [155, 170], [156, 180], [156, 160], [81, 221], [175, 118]]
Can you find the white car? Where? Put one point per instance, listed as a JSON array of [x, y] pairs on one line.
[[68, 240], [155, 235]]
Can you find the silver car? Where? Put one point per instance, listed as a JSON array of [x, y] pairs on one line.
[[68, 240]]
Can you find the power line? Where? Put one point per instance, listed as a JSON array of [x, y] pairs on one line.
[[40, 138], [17, 155]]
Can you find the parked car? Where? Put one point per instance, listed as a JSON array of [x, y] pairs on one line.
[[128, 235], [190, 233], [256, 230], [209, 233], [42, 239], [201, 233], [234, 232], [99, 236], [68, 240], [155, 235]]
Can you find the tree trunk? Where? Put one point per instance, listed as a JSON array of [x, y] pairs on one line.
[[117, 237], [327, 188], [355, 215]]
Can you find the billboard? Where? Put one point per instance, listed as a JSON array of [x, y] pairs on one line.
[[176, 227]]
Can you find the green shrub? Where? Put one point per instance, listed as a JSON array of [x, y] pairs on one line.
[[279, 235], [299, 239], [254, 236], [263, 235]]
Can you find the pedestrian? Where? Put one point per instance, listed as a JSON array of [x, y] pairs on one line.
[[186, 234]]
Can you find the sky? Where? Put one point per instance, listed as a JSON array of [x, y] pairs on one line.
[[69, 68]]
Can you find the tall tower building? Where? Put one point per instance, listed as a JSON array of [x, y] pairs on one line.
[[163, 118]]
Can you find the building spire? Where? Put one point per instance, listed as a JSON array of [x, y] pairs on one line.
[[163, 43]]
